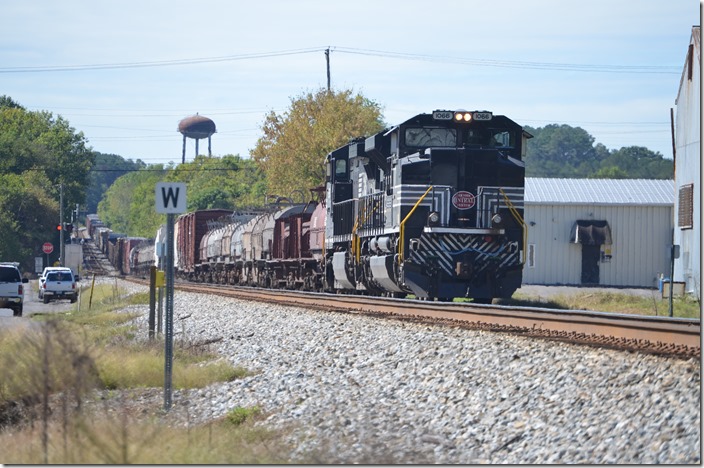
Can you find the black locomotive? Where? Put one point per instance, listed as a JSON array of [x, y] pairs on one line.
[[431, 207]]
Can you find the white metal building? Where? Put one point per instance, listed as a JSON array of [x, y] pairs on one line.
[[687, 212], [608, 232]]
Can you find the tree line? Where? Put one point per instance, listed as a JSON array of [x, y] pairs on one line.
[[39, 153]]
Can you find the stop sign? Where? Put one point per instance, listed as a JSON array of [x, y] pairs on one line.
[[47, 248]]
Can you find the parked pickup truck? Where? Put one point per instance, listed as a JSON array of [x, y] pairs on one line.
[[11, 288], [59, 285]]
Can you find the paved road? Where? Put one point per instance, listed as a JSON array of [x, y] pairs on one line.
[[32, 305]]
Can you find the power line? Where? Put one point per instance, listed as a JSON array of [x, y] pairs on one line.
[[575, 67], [555, 66], [150, 64]]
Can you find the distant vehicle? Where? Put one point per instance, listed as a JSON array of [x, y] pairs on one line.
[[42, 278], [59, 285], [12, 288]]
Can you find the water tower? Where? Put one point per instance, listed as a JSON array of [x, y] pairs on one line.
[[196, 127]]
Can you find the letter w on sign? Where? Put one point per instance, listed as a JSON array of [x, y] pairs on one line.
[[170, 197]]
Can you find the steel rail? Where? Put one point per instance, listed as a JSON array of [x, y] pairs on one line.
[[665, 334]]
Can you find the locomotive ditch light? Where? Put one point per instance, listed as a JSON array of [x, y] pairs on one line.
[[496, 219]]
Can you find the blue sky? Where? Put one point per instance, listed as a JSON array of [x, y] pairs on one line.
[[611, 67]]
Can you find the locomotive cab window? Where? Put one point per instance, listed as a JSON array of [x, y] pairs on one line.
[[341, 170], [502, 139], [495, 138], [431, 137]]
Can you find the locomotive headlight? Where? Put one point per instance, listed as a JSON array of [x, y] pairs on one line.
[[463, 116], [433, 218]]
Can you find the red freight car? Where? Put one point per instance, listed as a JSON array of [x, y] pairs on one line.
[[126, 245], [292, 264], [191, 228]]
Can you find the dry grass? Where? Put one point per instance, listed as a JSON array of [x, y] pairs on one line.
[[119, 439], [685, 307], [50, 373]]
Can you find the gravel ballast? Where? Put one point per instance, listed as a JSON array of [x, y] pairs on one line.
[[356, 389]]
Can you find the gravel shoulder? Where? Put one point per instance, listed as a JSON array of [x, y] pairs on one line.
[[355, 389]]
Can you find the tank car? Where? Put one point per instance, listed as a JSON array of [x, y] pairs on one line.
[[189, 230], [247, 256], [218, 264], [431, 207]]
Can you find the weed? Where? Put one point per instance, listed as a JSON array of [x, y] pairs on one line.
[[239, 415]]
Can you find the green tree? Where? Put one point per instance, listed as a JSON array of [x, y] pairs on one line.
[[107, 169], [294, 145], [7, 102], [228, 182], [562, 151], [128, 206], [609, 172], [38, 154], [639, 162], [29, 216]]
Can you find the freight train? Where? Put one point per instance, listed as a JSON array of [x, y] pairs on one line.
[[432, 207]]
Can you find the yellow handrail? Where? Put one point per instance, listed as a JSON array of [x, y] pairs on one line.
[[402, 226], [519, 218], [359, 220], [356, 251]]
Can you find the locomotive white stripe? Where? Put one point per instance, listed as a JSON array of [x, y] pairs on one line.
[[437, 200], [444, 247], [491, 199]]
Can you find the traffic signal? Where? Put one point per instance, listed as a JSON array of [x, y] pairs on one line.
[[68, 227], [58, 228]]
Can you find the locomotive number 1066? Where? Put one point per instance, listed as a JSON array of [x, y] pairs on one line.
[[443, 115]]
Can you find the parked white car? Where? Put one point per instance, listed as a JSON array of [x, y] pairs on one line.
[[12, 288], [42, 278], [59, 285]]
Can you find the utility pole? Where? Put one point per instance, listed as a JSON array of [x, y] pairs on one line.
[[61, 223], [327, 60]]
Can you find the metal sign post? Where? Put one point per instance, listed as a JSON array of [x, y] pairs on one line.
[[170, 199], [169, 315]]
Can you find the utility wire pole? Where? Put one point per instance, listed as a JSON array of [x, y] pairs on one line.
[[61, 224], [327, 60]]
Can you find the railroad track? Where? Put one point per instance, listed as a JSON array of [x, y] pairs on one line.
[[95, 261], [657, 335]]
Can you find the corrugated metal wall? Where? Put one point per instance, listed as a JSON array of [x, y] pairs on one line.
[[640, 250], [688, 168]]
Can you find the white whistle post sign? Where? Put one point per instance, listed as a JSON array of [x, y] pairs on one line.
[[170, 197]]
